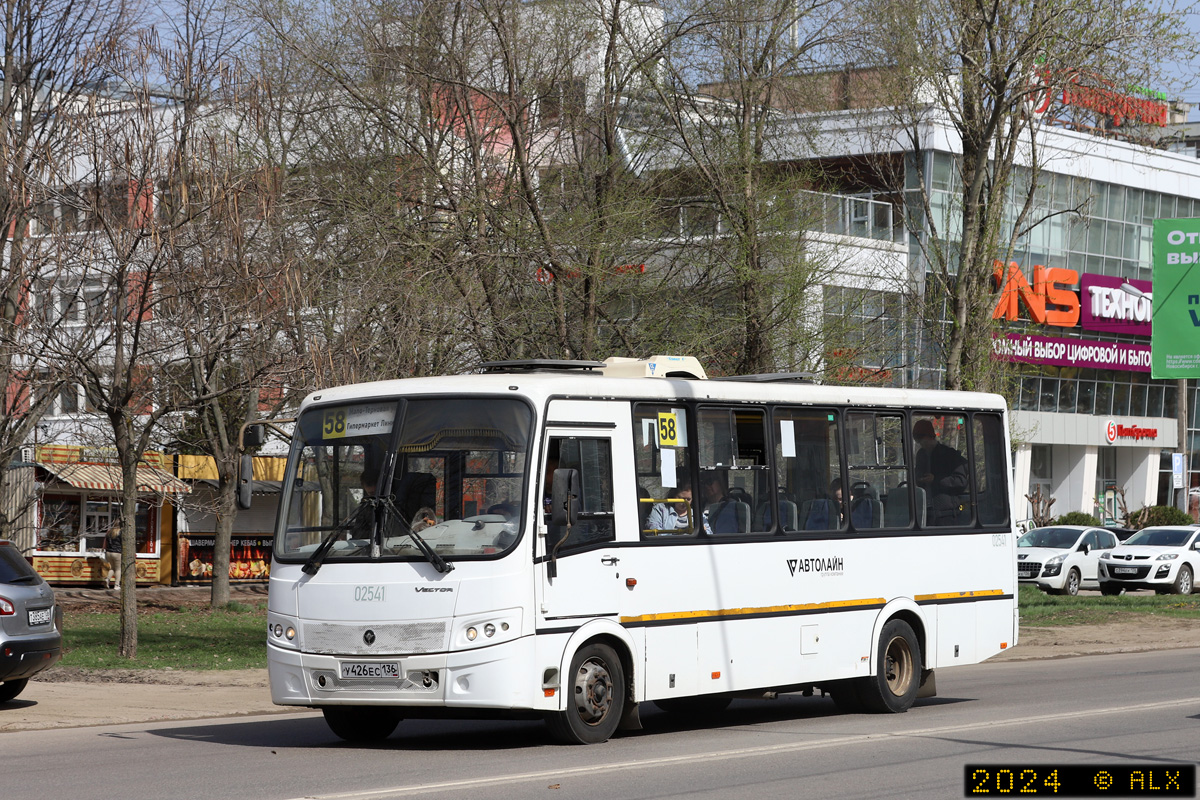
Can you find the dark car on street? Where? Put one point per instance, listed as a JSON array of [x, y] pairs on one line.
[[30, 623]]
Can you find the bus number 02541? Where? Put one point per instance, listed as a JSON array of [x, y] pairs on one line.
[[368, 594]]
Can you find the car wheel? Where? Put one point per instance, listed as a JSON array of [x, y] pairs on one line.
[[1183, 581], [1110, 590], [10, 689], [1071, 586]]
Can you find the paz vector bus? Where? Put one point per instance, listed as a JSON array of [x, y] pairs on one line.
[[568, 540]]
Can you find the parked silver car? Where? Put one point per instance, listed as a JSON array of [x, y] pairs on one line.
[[30, 623]]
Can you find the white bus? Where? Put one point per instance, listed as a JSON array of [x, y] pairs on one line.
[[547, 540]]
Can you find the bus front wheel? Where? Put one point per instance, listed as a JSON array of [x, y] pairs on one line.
[[362, 723], [893, 688], [595, 692]]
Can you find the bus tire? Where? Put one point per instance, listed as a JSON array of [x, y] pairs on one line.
[[897, 679], [595, 695], [362, 723], [700, 706]]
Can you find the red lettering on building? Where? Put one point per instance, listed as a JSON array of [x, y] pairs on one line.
[[1046, 300]]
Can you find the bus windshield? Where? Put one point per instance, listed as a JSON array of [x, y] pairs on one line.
[[406, 479]]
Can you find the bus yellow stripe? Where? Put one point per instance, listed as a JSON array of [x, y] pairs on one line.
[[743, 612], [836, 604], [926, 598]]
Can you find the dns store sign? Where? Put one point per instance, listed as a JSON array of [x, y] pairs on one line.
[[1102, 302]]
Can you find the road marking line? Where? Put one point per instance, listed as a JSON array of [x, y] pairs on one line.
[[742, 752]]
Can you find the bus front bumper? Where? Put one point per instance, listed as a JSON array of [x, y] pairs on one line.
[[488, 677]]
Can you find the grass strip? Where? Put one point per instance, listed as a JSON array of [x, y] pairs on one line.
[[1044, 610], [197, 638]]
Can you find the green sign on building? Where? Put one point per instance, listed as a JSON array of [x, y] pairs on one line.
[[1175, 340]]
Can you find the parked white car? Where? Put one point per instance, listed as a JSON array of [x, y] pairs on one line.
[[1165, 559], [1061, 559]]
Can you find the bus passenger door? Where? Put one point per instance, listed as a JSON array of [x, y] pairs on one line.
[[581, 568]]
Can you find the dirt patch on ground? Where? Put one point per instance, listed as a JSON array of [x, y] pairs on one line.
[[1137, 635]]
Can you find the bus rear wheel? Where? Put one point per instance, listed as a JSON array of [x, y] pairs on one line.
[[894, 686], [362, 723], [595, 692]]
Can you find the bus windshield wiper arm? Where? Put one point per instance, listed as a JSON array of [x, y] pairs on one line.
[[360, 520], [439, 563]]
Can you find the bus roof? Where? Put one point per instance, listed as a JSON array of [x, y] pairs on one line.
[[540, 386]]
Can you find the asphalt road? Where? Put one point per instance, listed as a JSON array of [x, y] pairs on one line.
[[1090, 710]]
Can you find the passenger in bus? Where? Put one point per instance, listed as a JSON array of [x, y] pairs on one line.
[[722, 514], [835, 492], [941, 471], [425, 519], [672, 516]]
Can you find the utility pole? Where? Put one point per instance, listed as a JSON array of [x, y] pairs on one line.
[[1181, 414]]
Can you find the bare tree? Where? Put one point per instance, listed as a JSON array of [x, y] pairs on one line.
[[225, 282], [53, 52], [181, 307]]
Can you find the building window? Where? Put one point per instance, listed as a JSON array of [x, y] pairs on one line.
[[73, 524]]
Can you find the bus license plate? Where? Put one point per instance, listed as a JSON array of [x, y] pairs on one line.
[[40, 616], [352, 670]]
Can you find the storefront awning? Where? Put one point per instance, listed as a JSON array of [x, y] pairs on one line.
[[107, 478]]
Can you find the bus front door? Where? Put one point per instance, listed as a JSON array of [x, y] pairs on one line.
[[580, 565]]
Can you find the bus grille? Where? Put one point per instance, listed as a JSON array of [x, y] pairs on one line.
[[390, 639]]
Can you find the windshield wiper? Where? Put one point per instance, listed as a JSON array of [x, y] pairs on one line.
[[362, 520], [439, 563]]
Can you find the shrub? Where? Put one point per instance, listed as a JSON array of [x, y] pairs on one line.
[[1158, 515], [1077, 518]]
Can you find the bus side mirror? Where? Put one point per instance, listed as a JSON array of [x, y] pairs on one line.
[[245, 481], [564, 497], [254, 436]]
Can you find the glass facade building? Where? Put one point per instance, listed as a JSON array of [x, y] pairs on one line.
[[1093, 213]]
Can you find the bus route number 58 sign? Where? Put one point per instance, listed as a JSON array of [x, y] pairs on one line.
[[668, 432]]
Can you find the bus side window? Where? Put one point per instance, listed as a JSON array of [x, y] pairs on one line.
[[990, 469], [665, 497], [593, 459], [734, 474], [808, 466], [876, 459], [941, 467]]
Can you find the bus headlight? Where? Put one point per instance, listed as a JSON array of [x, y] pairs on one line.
[[488, 628], [281, 631]]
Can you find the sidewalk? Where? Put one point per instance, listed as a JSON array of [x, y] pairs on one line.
[[194, 695], [52, 700]]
